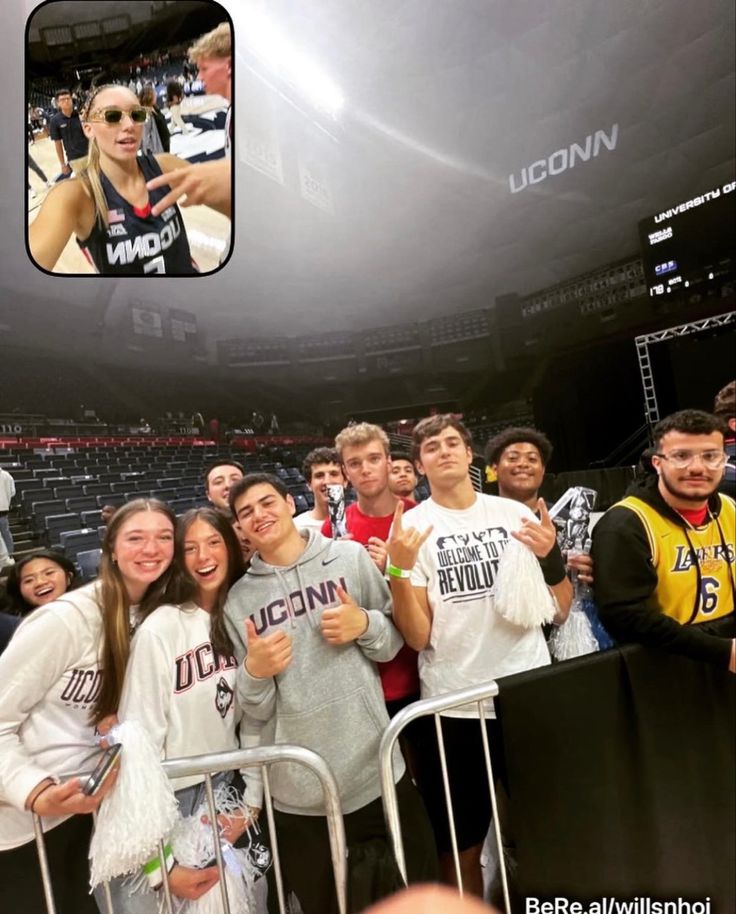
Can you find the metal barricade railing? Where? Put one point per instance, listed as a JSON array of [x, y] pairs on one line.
[[475, 695], [207, 765]]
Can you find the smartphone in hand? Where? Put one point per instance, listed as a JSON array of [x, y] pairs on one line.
[[103, 770]]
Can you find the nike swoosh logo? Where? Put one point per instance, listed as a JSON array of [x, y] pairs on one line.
[[330, 561]]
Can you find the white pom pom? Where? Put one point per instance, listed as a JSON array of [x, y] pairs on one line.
[[193, 844], [574, 637], [139, 811], [238, 880], [519, 592]]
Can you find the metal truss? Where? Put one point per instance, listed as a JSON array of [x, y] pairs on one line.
[[651, 409]]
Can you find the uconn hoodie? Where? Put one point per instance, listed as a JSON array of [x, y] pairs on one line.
[[329, 699]]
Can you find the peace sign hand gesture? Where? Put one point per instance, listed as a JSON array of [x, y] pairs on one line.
[[404, 544]]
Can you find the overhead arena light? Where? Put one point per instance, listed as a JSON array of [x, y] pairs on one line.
[[289, 63]]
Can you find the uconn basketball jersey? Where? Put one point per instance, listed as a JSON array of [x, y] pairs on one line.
[[135, 243]]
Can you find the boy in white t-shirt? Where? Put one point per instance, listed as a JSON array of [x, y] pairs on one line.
[[443, 559]]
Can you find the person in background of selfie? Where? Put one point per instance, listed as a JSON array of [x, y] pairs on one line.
[[213, 55], [204, 182], [173, 100], [38, 579], [65, 131], [62, 676], [37, 170], [156, 136]]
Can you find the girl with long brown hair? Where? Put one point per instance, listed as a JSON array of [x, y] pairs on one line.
[[62, 676], [180, 686]]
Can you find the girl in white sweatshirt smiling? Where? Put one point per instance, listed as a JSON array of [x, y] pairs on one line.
[[61, 677], [180, 686]]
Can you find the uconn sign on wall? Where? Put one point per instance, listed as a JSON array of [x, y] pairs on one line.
[[564, 159]]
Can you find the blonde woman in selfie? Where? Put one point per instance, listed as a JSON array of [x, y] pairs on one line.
[[109, 207]]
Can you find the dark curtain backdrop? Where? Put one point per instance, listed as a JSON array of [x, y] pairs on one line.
[[622, 771]]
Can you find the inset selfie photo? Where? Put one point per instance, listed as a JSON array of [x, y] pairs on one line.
[[128, 108]]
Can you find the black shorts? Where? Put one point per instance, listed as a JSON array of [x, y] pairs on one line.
[[372, 872], [67, 851], [468, 778]]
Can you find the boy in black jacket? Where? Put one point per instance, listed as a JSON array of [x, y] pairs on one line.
[[664, 555]]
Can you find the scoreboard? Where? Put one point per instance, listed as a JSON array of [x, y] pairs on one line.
[[691, 242]]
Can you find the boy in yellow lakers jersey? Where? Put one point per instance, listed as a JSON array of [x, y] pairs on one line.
[[665, 555]]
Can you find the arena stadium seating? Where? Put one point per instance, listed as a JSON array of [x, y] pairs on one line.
[[62, 488]]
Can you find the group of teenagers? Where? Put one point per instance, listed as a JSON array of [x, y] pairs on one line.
[[313, 640]]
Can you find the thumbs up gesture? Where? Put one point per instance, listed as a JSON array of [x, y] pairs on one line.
[[266, 656], [345, 622]]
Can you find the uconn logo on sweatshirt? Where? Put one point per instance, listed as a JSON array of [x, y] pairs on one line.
[[82, 688], [198, 665], [298, 603]]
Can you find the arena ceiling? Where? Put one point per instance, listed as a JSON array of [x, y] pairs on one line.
[[480, 148]]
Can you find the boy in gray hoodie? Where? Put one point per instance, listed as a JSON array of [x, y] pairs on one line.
[[309, 620]]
